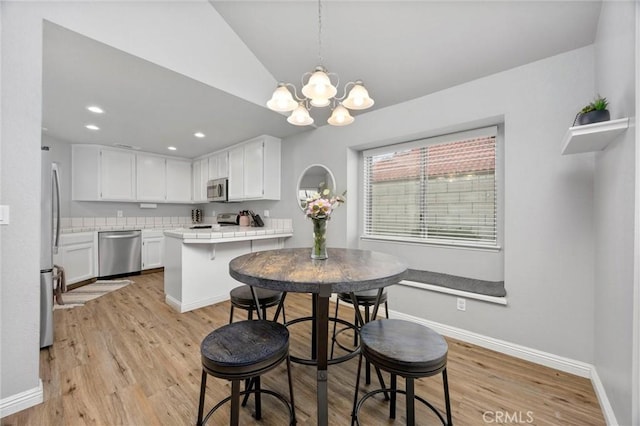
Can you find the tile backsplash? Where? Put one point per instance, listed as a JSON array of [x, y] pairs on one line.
[[83, 224]]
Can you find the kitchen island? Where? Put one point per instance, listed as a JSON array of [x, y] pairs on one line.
[[196, 261]]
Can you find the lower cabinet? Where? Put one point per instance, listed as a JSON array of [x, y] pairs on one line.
[[77, 255], [152, 249]]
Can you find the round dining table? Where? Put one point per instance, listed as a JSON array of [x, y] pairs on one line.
[[344, 271]]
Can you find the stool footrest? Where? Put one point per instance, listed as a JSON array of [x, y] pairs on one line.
[[292, 420], [366, 396]]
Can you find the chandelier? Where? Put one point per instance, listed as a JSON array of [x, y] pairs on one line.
[[319, 91]]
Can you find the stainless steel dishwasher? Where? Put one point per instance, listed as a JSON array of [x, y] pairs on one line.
[[119, 253]]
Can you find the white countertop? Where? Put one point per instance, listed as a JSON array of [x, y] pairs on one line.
[[227, 234]]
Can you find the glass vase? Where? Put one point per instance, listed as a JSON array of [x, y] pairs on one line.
[[319, 250]]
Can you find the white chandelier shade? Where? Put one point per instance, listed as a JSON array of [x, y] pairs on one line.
[[358, 97], [319, 88], [340, 116], [282, 101], [300, 116]]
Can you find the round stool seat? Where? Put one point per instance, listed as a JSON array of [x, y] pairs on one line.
[[365, 297], [403, 347], [242, 298], [244, 349]]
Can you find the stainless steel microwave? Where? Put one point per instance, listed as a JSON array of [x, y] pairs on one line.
[[217, 190]]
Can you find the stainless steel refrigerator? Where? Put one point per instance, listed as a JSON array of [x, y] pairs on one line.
[[49, 240]]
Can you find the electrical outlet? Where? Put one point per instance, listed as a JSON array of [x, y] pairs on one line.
[[119, 213], [461, 304], [266, 213]]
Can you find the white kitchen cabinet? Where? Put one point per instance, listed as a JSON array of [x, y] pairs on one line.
[[178, 180], [77, 255], [200, 176], [99, 173], [152, 249], [235, 186], [150, 178], [117, 175], [254, 170], [218, 168]]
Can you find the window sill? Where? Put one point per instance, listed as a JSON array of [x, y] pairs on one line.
[[453, 292], [445, 244]]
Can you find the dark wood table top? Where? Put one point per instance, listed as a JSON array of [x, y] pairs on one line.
[[293, 270]]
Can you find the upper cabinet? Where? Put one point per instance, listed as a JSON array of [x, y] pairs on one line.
[[178, 181], [100, 173], [163, 179], [218, 165], [110, 174], [117, 174], [150, 177], [254, 170], [200, 176]]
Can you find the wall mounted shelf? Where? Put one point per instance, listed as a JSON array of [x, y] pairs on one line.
[[592, 137]]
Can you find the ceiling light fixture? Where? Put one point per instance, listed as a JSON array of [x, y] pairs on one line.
[[96, 109], [199, 135], [172, 148], [319, 91], [92, 127]]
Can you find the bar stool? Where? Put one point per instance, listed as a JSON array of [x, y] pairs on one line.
[[366, 299], [245, 350], [242, 298], [404, 349]]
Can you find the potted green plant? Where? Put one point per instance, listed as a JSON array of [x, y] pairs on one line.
[[594, 112]]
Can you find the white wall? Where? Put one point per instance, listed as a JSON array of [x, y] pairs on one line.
[[548, 239], [614, 195], [169, 34]]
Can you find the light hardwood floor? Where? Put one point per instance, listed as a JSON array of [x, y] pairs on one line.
[[128, 359]]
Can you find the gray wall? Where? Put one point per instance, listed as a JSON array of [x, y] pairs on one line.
[[547, 238], [614, 194]]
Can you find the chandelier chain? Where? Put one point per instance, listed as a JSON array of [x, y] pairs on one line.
[[320, 33]]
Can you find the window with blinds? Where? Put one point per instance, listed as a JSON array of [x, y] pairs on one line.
[[439, 190]]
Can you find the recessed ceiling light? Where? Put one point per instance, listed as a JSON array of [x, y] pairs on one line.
[[96, 109], [92, 127], [199, 135], [172, 148]]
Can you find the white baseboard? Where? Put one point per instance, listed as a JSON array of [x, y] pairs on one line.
[[547, 359], [186, 307], [607, 410], [567, 365], [22, 400]]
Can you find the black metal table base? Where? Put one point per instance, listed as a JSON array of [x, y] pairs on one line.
[[333, 360]]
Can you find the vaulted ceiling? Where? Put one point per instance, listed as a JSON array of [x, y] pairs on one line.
[[400, 49]]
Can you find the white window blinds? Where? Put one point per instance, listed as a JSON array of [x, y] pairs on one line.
[[439, 190]]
